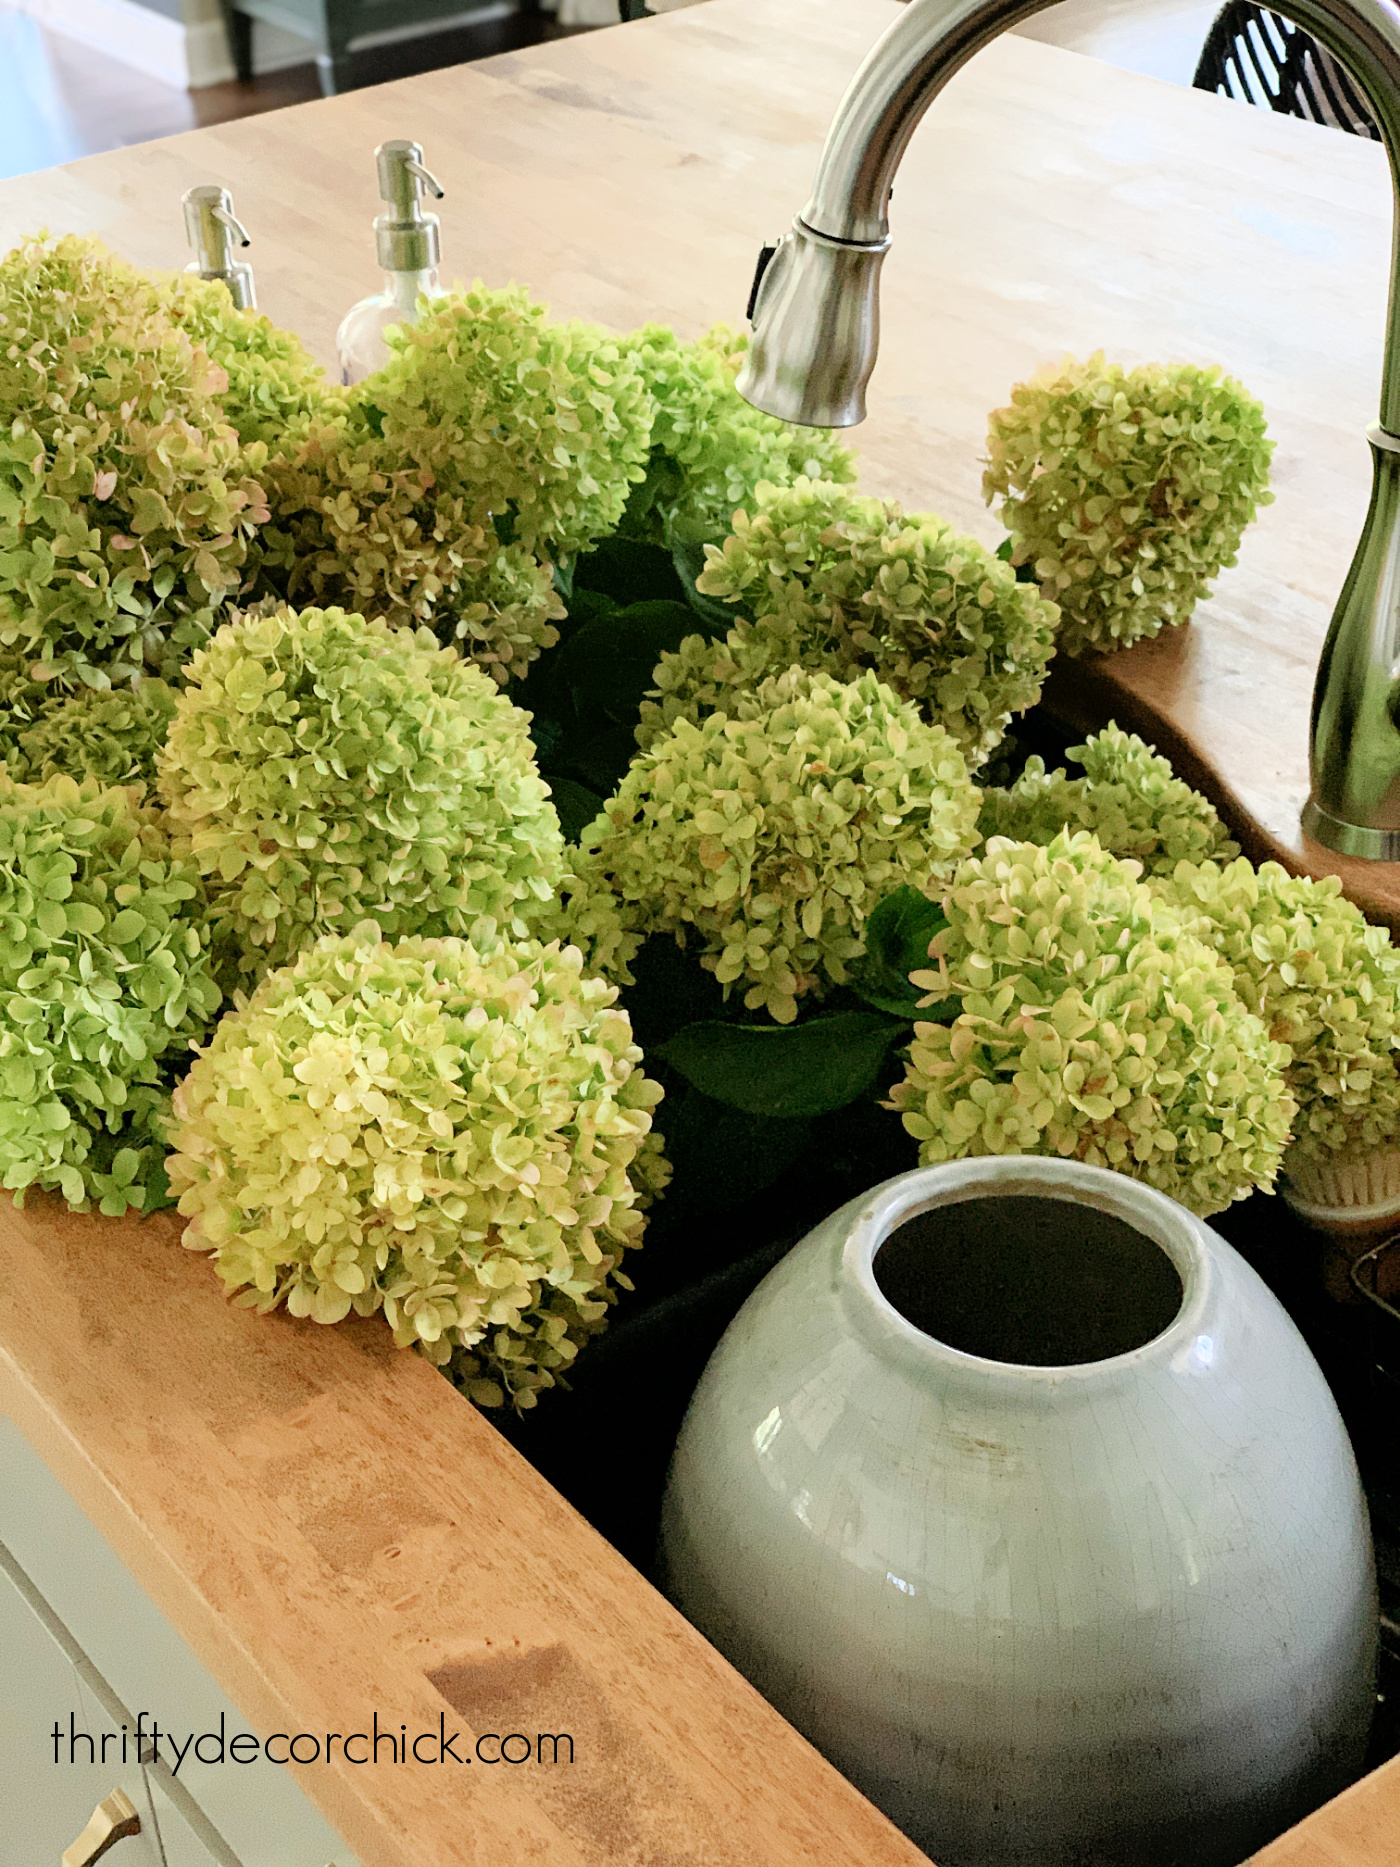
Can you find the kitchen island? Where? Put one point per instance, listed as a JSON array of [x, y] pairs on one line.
[[325, 1522]]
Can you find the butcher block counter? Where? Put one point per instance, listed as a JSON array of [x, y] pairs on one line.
[[324, 1521]]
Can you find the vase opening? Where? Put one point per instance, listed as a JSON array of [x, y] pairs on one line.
[[1020, 1278]]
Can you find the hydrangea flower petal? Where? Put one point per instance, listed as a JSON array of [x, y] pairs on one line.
[[105, 982], [457, 1138], [766, 834], [1093, 1027], [845, 584], [323, 768], [1126, 491]]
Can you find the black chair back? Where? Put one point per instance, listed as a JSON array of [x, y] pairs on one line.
[[1260, 58]]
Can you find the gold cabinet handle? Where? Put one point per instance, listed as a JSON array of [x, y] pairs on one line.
[[113, 1820]]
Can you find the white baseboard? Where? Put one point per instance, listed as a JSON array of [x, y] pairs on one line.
[[133, 35]]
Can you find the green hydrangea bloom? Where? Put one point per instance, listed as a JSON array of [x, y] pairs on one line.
[[768, 834], [457, 1138], [844, 583], [104, 982], [126, 501], [1323, 981], [22, 702], [274, 383], [710, 449], [1129, 797], [1126, 491], [508, 412], [325, 769], [111, 736], [350, 531], [1092, 1027]]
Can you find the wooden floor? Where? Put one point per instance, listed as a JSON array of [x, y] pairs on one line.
[[60, 99]]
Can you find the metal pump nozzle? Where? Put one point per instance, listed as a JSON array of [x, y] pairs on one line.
[[212, 227], [407, 239]]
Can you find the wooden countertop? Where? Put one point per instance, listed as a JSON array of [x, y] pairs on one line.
[[274, 1484], [334, 1529]]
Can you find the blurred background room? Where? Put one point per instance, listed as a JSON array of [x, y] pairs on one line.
[[79, 76]]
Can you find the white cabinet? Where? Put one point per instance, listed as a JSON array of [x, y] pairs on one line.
[[45, 1806], [83, 1649]]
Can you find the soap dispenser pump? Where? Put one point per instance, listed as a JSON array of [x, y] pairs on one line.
[[212, 227], [409, 246]]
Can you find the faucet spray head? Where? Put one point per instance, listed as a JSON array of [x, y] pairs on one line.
[[212, 227], [407, 239], [815, 311]]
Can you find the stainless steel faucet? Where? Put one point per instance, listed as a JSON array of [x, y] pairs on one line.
[[816, 329]]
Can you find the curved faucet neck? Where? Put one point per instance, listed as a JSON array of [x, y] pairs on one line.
[[932, 39], [816, 333]]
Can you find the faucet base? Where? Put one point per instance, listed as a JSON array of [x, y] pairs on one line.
[[1349, 839]]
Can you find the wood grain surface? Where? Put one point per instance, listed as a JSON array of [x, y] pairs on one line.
[[323, 1518], [1359, 1828], [336, 1531]]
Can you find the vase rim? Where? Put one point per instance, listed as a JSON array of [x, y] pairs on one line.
[[1179, 1234]]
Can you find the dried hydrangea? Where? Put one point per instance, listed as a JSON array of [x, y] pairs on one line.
[[128, 503], [766, 835], [326, 769], [846, 584], [350, 529], [1126, 491], [104, 984], [274, 383], [1092, 1027], [1323, 981], [550, 423], [113, 736], [710, 449], [1129, 797], [457, 1138]]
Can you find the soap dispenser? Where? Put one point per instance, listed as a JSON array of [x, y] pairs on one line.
[[212, 226], [409, 248]]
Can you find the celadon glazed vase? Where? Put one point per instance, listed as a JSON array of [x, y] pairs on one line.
[[1016, 1490]]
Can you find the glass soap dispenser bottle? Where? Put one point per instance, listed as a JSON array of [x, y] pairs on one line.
[[212, 227], [409, 246]]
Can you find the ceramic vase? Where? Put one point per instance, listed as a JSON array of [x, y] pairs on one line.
[[1016, 1490]]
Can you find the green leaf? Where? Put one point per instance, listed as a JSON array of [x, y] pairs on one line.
[[610, 664], [897, 937], [669, 989], [790, 1072], [643, 515], [544, 694], [629, 571], [576, 804], [589, 606], [564, 577], [721, 1156], [598, 759]]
